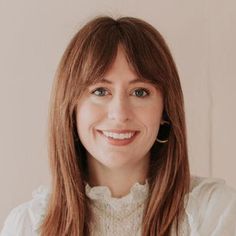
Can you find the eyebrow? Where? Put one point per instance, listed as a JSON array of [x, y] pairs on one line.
[[138, 80]]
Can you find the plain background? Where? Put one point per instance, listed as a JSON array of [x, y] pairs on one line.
[[201, 35]]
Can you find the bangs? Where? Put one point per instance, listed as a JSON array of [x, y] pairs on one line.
[[99, 52], [140, 46]]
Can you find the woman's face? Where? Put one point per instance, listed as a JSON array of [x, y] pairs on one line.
[[118, 119]]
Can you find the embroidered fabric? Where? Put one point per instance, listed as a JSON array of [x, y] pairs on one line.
[[117, 216], [102, 195]]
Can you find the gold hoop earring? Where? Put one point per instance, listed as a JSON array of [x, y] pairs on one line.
[[167, 124]]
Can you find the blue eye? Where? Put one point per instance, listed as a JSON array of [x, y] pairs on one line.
[[141, 92], [100, 92]]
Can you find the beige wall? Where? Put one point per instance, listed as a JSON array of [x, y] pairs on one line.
[[201, 35]]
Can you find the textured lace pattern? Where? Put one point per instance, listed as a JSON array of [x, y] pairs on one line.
[[117, 216]]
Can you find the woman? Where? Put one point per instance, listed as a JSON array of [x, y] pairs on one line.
[[117, 143]]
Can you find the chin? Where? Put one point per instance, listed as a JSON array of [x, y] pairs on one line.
[[114, 164]]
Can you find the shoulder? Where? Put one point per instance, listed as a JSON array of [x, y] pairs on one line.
[[26, 218], [211, 207]]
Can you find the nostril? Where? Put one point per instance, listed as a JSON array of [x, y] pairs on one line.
[[120, 115]]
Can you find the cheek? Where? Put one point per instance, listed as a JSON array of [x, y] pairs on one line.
[[150, 116], [87, 115], [152, 112]]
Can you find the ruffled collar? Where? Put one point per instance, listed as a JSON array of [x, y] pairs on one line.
[[102, 195]]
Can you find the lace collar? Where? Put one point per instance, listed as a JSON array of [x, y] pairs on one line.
[[102, 195]]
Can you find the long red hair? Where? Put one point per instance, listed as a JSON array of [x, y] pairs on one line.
[[86, 59]]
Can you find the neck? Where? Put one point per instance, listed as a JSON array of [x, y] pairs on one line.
[[119, 180]]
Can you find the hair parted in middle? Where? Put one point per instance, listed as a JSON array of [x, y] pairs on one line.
[[85, 61]]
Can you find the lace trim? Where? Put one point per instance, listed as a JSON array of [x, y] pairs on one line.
[[102, 195]]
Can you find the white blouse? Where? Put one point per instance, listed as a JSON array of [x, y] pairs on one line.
[[210, 210]]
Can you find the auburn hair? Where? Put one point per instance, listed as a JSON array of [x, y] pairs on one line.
[[86, 59]]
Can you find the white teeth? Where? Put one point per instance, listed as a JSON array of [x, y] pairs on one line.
[[118, 136]]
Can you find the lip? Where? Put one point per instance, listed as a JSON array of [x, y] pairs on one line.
[[119, 131], [117, 142]]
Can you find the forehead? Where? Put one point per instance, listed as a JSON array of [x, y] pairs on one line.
[[120, 65], [121, 69]]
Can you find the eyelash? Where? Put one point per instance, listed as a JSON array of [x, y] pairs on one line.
[[138, 89]]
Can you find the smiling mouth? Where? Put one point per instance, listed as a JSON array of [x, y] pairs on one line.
[[119, 138]]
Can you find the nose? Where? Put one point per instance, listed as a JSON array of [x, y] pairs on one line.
[[119, 109]]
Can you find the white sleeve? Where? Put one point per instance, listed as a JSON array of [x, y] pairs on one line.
[[18, 222], [212, 209], [25, 219]]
